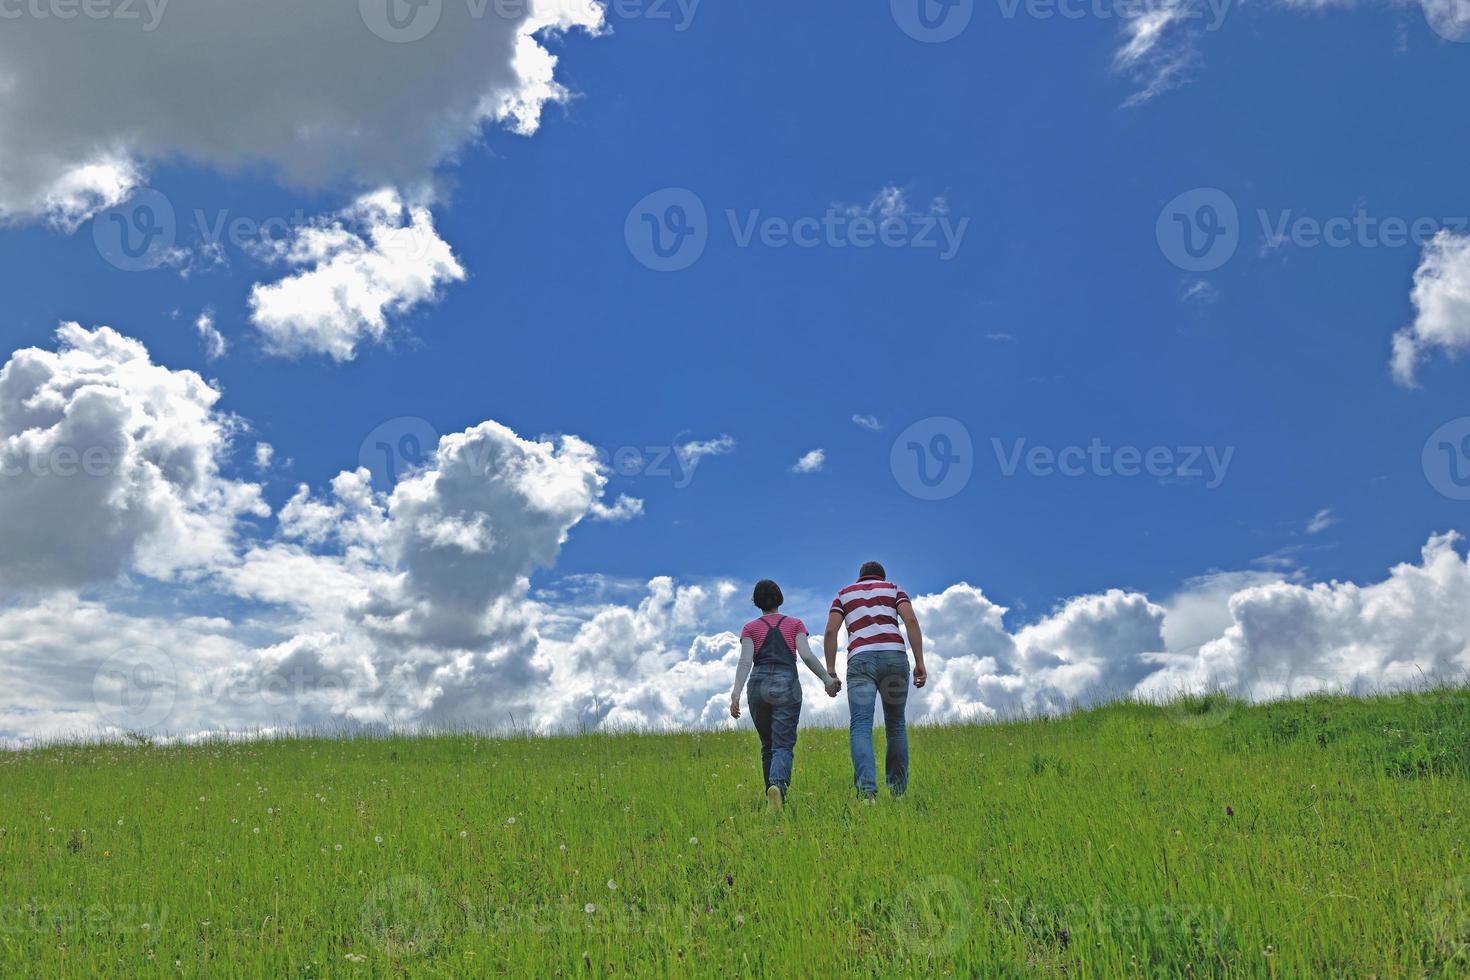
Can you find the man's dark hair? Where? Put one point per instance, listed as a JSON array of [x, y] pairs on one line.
[[767, 595], [872, 569]]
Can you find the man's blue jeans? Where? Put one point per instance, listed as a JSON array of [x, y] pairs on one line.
[[774, 694], [869, 676]]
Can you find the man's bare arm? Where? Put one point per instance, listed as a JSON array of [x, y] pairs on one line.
[[829, 640], [916, 641]]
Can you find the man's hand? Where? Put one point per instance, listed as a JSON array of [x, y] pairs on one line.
[[833, 688], [734, 709], [921, 676]]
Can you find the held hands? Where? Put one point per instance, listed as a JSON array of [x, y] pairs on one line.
[[833, 688]]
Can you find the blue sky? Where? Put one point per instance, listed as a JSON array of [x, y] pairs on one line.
[[1017, 124], [1060, 320]]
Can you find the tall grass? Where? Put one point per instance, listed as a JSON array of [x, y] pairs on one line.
[[1322, 837]]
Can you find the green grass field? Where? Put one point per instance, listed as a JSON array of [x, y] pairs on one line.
[[1324, 837]]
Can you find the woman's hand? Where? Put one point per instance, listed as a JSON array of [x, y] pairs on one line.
[[833, 688], [734, 709]]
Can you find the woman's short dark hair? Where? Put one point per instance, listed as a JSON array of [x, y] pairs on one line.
[[872, 569], [767, 595]]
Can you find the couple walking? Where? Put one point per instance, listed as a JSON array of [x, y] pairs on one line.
[[877, 666]]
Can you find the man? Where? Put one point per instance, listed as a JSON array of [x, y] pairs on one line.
[[877, 664]]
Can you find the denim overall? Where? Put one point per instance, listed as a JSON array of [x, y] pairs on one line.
[[774, 693]]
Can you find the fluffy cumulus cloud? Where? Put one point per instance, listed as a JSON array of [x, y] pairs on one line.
[[372, 93], [379, 257], [1441, 297], [811, 462], [111, 463], [1288, 638], [148, 606]]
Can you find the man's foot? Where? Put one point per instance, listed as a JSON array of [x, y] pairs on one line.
[[774, 798], [867, 798]]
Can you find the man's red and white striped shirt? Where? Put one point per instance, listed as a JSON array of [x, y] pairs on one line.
[[870, 609]]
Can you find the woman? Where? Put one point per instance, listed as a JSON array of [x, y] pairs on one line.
[[768, 649]]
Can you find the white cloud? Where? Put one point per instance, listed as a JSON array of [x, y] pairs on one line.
[[110, 462], [414, 606], [1321, 521], [811, 462], [1157, 49], [691, 453], [377, 258], [1441, 297], [1287, 638], [1200, 291], [214, 343], [337, 104], [265, 454], [869, 422], [893, 202]]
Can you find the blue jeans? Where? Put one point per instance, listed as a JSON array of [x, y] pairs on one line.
[[774, 694], [868, 675]]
